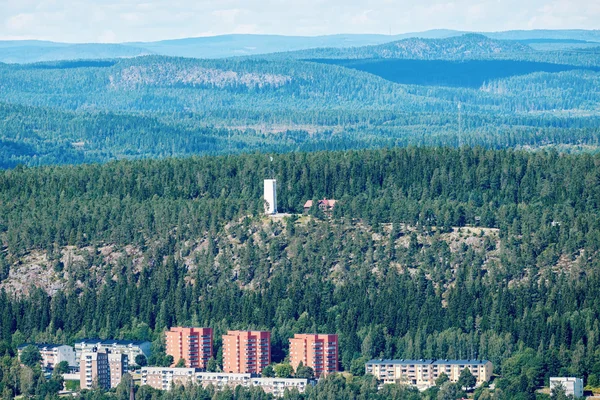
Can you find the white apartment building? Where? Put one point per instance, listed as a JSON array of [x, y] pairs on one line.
[[278, 386], [573, 386], [423, 373], [52, 354], [163, 378], [130, 348], [221, 380]]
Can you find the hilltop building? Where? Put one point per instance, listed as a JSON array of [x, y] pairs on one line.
[[246, 351], [52, 354], [320, 352], [423, 373], [270, 196], [324, 205], [194, 345]]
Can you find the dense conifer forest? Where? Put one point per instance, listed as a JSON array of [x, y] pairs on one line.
[[395, 94], [467, 253]]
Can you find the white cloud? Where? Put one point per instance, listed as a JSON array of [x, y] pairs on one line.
[[227, 16], [20, 22], [107, 36], [362, 18]]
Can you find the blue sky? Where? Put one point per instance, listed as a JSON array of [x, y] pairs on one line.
[[148, 20]]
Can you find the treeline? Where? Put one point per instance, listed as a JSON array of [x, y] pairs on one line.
[[42, 206], [41, 136]]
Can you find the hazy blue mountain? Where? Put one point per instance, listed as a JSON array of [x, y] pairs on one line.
[[247, 45], [468, 46], [4, 44], [31, 52], [565, 34], [202, 47], [242, 45]]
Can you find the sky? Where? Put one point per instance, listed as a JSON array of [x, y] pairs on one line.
[[113, 21]]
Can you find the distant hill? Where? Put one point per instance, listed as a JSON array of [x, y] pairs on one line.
[[243, 45], [564, 34], [29, 51], [203, 47], [467, 46], [156, 106]]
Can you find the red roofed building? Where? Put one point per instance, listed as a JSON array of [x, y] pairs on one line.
[[325, 205]]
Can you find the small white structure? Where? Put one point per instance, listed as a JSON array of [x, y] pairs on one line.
[[270, 196], [573, 386]]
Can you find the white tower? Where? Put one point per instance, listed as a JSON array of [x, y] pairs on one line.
[[270, 196]]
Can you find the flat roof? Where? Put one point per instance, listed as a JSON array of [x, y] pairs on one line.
[[400, 361], [41, 345], [425, 362], [112, 342], [468, 362]]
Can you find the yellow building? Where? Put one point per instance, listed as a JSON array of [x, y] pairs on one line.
[[423, 373]]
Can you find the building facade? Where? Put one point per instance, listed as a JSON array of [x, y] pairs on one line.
[[164, 378], [246, 352], [573, 386], [102, 368], [118, 365], [94, 370], [194, 345], [52, 354], [320, 352], [423, 373], [278, 386], [222, 380], [130, 348]]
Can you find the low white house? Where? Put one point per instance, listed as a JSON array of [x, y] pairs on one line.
[[573, 386]]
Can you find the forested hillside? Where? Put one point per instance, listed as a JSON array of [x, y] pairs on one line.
[[94, 111], [467, 46], [438, 253]]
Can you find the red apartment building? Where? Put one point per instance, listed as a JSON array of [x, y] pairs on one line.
[[320, 352], [194, 345], [246, 351]]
